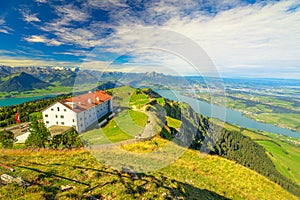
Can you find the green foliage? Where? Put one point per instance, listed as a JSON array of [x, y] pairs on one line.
[[175, 123], [6, 139], [69, 139], [37, 115], [39, 134]]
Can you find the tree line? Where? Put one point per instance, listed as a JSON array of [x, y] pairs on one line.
[[8, 113]]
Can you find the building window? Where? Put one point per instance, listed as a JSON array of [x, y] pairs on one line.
[[52, 109], [46, 115], [57, 108], [62, 116], [81, 125], [55, 116], [62, 123], [73, 120], [56, 122], [47, 122], [65, 110], [80, 118]]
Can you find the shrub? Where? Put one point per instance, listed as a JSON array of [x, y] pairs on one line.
[[6, 139]]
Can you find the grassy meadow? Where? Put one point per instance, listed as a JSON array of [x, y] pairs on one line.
[[192, 176], [125, 125]]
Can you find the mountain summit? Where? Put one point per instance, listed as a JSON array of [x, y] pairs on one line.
[[22, 83]]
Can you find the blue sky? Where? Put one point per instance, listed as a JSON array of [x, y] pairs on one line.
[[241, 38]]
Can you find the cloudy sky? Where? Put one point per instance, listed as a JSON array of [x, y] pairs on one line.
[[242, 38]]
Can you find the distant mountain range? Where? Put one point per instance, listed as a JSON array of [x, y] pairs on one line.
[[29, 78], [63, 76]]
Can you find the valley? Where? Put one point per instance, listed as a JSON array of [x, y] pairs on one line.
[[275, 158]]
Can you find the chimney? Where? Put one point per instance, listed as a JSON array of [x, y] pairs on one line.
[[98, 99], [72, 104], [90, 101]]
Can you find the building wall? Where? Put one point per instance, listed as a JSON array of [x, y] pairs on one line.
[[58, 114], [92, 115], [81, 122]]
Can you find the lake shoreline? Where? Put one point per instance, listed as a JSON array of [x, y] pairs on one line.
[[245, 114], [226, 114]]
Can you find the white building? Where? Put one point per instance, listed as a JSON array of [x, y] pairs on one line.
[[79, 111]]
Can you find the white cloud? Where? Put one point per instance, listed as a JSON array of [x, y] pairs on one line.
[[3, 28], [63, 26], [30, 17], [105, 5], [78, 53], [238, 37], [69, 13], [24, 61], [36, 38], [41, 1], [4, 31], [266, 37], [42, 39]]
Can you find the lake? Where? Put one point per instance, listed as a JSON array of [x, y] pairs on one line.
[[204, 108], [225, 114], [15, 101]]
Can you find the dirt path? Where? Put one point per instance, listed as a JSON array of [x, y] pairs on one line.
[[149, 130]]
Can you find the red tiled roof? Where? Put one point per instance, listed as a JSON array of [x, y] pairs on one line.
[[86, 101]]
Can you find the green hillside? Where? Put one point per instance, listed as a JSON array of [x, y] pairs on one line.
[[190, 177], [282, 150]]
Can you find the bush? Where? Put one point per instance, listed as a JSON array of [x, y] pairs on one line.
[[69, 140], [6, 139]]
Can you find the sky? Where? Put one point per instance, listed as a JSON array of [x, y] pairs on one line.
[[233, 38]]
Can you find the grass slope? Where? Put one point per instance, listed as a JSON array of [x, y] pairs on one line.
[[125, 125], [189, 177], [282, 151]]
